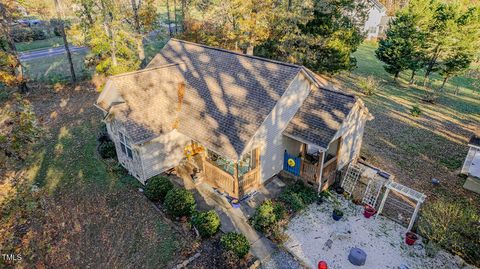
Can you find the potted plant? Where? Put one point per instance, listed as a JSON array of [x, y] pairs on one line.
[[369, 211], [337, 214], [235, 203], [410, 238]]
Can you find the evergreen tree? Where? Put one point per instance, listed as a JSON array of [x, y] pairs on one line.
[[400, 50]]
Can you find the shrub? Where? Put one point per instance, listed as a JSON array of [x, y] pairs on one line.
[[454, 226], [206, 222], [279, 211], [368, 85], [293, 200], [415, 111], [264, 216], [235, 242], [179, 202], [107, 150], [298, 196], [157, 188]]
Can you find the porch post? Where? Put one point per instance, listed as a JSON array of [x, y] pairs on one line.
[[320, 175], [235, 180], [414, 216], [382, 204], [257, 166]]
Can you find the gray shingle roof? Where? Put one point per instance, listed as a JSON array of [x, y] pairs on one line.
[[320, 116], [227, 95], [219, 98]]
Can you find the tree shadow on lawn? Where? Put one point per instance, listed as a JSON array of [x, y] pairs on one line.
[[83, 215]]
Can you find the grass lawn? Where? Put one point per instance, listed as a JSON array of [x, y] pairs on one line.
[[39, 44], [86, 213], [417, 149], [53, 69]]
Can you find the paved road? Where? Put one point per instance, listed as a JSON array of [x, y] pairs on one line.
[[29, 55]]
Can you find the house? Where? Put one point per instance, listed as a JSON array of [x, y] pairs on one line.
[[377, 20], [471, 166], [248, 118]]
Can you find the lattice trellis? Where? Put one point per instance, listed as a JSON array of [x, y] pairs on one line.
[[351, 177], [373, 190]]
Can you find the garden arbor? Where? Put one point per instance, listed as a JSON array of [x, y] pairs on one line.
[[418, 197]]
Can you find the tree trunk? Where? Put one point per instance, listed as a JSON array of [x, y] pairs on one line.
[[445, 79], [183, 15], [168, 18], [431, 64], [175, 15], [412, 77], [65, 41], [395, 77], [289, 5], [5, 22], [136, 19]]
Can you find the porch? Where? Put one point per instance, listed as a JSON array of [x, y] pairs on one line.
[[235, 179], [312, 164]]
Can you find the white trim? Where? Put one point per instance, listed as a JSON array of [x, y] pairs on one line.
[[321, 173]]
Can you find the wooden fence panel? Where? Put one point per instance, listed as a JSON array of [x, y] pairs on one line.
[[249, 181], [218, 178]]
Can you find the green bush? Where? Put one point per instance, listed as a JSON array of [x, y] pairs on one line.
[[279, 211], [179, 202], [157, 188], [235, 242], [107, 150], [453, 226], [415, 111], [206, 222], [298, 196], [368, 85], [264, 216]]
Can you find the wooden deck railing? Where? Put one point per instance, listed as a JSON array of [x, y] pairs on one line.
[[249, 181], [329, 173], [309, 171], [218, 178]]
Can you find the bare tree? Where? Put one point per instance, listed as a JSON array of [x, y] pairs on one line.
[[168, 19], [61, 26]]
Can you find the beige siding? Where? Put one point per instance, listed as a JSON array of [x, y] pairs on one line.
[[293, 146], [162, 153], [351, 132], [269, 137], [133, 165]]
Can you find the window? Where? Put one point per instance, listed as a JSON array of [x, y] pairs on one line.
[[372, 30], [125, 146]]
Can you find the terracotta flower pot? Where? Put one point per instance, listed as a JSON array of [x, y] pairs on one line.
[[369, 211], [410, 238]]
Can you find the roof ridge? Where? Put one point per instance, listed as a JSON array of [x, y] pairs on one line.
[[237, 53], [144, 70], [314, 77]]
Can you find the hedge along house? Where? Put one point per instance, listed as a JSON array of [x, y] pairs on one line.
[[243, 115]]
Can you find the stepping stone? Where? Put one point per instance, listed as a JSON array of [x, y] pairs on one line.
[[357, 256]]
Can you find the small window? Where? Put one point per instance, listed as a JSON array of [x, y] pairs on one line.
[[125, 146]]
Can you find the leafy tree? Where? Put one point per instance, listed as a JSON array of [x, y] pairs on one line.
[[401, 49], [324, 39], [11, 69], [110, 37], [453, 65]]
